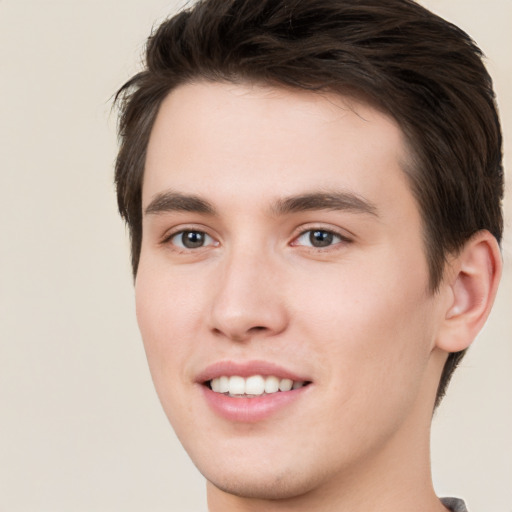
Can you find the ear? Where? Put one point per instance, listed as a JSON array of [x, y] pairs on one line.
[[472, 279]]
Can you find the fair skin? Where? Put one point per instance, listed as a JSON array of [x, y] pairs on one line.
[[281, 240]]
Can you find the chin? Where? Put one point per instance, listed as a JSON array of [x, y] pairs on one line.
[[256, 467], [263, 487]]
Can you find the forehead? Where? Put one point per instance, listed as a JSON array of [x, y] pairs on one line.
[[219, 139]]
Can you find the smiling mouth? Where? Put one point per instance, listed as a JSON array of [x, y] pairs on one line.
[[253, 386]]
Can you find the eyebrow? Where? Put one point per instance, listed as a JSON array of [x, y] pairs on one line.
[[171, 201], [339, 200]]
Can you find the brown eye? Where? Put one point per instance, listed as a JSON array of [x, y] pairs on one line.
[[191, 239], [319, 238]]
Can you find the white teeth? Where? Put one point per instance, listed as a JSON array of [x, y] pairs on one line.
[[255, 385], [271, 385], [223, 384], [285, 384], [236, 385], [215, 385]]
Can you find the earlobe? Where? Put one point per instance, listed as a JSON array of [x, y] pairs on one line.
[[475, 274]]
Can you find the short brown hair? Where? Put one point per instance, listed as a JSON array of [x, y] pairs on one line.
[[420, 69]]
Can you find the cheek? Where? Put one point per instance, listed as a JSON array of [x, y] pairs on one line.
[[167, 322], [167, 300], [166, 315], [377, 326]]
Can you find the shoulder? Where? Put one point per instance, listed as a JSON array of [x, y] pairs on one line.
[[454, 504]]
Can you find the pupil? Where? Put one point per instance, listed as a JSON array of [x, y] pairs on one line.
[[192, 239], [320, 238]]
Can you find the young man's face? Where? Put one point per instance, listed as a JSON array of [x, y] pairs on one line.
[[281, 240]]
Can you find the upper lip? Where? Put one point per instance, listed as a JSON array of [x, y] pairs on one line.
[[246, 369]]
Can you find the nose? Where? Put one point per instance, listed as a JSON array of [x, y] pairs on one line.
[[249, 298]]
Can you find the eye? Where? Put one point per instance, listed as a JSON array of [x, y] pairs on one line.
[[319, 238], [191, 239]]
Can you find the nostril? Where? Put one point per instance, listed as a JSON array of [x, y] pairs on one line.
[[258, 328]]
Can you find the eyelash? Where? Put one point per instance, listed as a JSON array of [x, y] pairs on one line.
[[333, 238]]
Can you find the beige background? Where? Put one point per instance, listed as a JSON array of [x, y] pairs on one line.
[[80, 426]]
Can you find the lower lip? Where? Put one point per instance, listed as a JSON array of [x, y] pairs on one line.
[[251, 410]]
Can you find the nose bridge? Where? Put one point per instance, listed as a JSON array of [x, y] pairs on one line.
[[249, 295]]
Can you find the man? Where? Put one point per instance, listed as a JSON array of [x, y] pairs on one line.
[[313, 194]]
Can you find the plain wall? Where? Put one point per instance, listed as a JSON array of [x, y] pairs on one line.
[[81, 428]]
